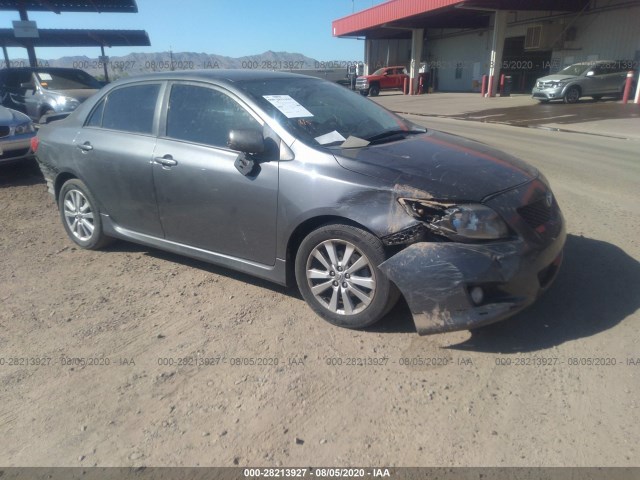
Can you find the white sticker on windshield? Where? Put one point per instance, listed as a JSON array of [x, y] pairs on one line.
[[44, 77], [330, 138], [288, 106]]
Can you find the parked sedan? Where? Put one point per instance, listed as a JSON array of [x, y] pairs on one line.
[[16, 132], [298, 180]]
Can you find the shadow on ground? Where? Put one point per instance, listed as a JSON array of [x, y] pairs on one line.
[[557, 113], [596, 289], [20, 174]]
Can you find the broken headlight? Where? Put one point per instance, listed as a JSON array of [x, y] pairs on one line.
[[471, 221]]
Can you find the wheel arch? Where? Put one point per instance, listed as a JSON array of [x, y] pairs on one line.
[[573, 85], [304, 229], [60, 181]]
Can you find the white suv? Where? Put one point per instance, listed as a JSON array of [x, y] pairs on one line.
[[594, 79]]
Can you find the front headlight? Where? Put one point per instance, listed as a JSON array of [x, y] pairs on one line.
[[67, 101], [471, 221], [558, 84], [23, 128]]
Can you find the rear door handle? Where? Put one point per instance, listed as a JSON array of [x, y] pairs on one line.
[[86, 146], [166, 161]]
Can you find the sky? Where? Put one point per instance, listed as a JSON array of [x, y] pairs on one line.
[[233, 28]]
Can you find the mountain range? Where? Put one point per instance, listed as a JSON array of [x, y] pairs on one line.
[[137, 63]]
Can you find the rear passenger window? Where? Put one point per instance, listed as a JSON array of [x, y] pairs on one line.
[[203, 115], [131, 109], [95, 120]]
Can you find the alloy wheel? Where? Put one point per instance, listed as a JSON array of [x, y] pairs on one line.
[[341, 277], [78, 215]]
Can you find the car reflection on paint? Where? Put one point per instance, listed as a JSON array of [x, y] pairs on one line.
[[298, 180], [16, 132]]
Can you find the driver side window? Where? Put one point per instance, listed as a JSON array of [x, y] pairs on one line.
[[204, 115]]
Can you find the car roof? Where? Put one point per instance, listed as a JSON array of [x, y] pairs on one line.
[[217, 74]]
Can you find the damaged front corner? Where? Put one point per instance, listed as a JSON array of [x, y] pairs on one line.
[[434, 279]]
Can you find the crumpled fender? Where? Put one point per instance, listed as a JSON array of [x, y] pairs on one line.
[[433, 279]]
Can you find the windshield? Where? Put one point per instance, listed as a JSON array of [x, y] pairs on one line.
[[575, 70], [323, 113], [67, 80], [380, 71]]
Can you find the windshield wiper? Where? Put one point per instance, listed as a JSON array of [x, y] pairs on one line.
[[390, 135]]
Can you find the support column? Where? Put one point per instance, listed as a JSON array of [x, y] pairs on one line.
[[367, 54], [104, 64], [31, 51], [7, 63], [497, 47], [417, 38]]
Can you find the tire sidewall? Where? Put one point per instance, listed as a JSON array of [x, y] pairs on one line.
[[372, 248], [567, 97], [97, 237]]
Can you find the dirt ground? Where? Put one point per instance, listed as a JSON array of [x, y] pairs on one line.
[[132, 356]]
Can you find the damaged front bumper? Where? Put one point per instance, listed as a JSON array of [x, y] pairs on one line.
[[437, 279]]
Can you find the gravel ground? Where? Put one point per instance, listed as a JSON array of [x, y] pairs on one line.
[[131, 356]]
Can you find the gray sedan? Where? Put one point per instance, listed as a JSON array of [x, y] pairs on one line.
[[298, 180], [16, 132]]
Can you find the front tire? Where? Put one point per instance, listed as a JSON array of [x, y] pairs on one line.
[[572, 95], [80, 215], [338, 276], [374, 90]]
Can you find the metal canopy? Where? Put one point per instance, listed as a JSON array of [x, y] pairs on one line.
[[78, 38], [58, 6], [393, 18]]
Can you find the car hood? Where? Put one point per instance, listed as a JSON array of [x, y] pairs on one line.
[[556, 78], [444, 166], [12, 117]]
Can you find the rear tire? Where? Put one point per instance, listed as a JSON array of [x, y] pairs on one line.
[[338, 276], [80, 216]]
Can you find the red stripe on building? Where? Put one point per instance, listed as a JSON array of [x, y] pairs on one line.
[[385, 13]]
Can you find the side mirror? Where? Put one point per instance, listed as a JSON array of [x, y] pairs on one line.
[[246, 141]]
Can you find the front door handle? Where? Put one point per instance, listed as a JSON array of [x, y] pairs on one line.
[[86, 146], [166, 161]]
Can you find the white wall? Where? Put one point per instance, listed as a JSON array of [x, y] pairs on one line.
[[600, 35]]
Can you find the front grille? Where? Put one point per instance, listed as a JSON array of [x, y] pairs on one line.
[[5, 131], [536, 213]]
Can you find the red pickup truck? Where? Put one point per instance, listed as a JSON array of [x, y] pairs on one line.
[[385, 78]]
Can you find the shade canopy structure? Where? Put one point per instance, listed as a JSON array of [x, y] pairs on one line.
[[70, 38], [59, 6], [396, 18], [78, 38]]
